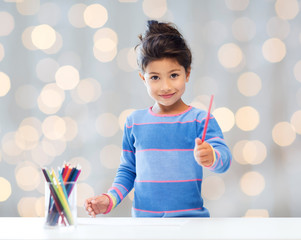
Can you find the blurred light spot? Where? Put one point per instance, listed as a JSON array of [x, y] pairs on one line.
[[110, 156], [297, 71], [53, 148], [27, 176], [70, 58], [126, 60], [247, 118], [71, 129], [225, 118], [34, 122], [76, 15], [274, 50], [4, 84], [154, 8], [296, 121], [244, 29], [215, 32], [85, 166], [132, 59], [9, 146], [27, 40], [230, 55], [104, 56], [26, 207], [52, 97], [40, 157], [105, 45], [283, 134], [105, 33], [8, 27], [84, 191], [122, 117], [107, 124], [237, 5], [287, 9], [28, 7], [254, 152], [252, 183], [26, 96], [57, 45], [88, 90], [2, 52], [27, 137], [43, 36], [249, 84], [238, 152], [257, 213], [54, 127], [50, 13], [95, 15], [6, 190], [46, 69], [213, 187], [67, 77], [278, 28], [40, 207], [128, 1]]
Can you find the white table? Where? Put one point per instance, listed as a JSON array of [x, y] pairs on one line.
[[153, 228]]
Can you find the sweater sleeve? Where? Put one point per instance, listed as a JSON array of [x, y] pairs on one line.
[[215, 138], [126, 173]]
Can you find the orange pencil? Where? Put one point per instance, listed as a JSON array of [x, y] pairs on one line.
[[67, 174]]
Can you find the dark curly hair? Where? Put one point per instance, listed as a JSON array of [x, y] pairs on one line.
[[162, 40]]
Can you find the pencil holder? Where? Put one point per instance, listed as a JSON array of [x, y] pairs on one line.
[[60, 204]]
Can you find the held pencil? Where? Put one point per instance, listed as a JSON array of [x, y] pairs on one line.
[[207, 119]]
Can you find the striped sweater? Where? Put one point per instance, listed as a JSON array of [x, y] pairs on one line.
[[158, 161]]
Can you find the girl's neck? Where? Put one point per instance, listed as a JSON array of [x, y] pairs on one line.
[[177, 108]]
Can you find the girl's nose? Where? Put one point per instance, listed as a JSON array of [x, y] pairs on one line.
[[165, 86]]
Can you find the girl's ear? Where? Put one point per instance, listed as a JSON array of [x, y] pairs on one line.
[[141, 76], [188, 74]]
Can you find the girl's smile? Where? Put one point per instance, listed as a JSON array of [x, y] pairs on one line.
[[165, 80]]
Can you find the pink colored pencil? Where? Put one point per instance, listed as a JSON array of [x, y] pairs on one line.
[[207, 119]]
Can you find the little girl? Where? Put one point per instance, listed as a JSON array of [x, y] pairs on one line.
[[163, 155]]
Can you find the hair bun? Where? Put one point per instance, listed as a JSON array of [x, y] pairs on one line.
[[154, 27]]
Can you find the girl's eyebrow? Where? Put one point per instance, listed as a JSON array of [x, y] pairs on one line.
[[173, 70]]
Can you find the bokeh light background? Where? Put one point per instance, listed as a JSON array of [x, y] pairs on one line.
[[68, 79]]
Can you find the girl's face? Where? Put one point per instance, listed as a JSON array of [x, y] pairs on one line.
[[165, 80]]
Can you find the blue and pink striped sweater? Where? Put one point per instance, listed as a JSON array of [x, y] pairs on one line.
[[158, 161]]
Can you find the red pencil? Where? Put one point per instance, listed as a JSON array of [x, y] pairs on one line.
[[207, 119]]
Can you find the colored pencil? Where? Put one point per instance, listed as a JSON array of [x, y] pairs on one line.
[[60, 190]]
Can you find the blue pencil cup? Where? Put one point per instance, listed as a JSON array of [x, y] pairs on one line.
[[60, 204]]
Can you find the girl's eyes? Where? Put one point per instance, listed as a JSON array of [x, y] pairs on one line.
[[154, 78], [174, 75]]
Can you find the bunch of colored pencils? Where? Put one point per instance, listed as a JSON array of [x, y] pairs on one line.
[[60, 189]]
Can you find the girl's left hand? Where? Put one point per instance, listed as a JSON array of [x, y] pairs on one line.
[[203, 153]]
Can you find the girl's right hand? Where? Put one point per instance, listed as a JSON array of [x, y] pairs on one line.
[[97, 205]]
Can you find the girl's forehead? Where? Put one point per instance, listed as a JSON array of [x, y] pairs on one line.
[[163, 64]]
